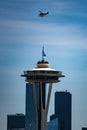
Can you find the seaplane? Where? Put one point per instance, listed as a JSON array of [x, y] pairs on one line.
[[42, 14]]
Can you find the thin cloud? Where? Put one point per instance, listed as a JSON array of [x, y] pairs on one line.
[[70, 35]]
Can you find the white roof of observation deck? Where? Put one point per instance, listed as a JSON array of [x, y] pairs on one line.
[[43, 69]]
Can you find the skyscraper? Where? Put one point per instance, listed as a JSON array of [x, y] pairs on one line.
[[30, 111], [30, 120], [63, 109]]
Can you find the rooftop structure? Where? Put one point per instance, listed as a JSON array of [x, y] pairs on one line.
[[84, 128], [16, 121]]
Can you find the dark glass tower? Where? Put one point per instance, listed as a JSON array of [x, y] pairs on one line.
[[30, 113], [30, 110], [63, 109]]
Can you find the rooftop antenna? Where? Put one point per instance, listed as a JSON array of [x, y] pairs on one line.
[[43, 53]]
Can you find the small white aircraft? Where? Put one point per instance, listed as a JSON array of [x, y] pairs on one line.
[[42, 14]]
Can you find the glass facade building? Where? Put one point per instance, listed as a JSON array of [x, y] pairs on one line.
[[63, 109], [30, 114], [30, 110]]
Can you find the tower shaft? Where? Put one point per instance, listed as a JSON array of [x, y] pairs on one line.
[[42, 110]]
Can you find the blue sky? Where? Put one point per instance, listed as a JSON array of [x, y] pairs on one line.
[[63, 33]]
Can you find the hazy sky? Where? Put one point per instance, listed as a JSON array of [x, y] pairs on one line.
[[63, 33]]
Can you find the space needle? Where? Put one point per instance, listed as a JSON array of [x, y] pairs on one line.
[[45, 77]]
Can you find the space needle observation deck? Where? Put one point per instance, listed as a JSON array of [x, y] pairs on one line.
[[43, 75]]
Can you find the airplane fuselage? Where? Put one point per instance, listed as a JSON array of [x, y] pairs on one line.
[[43, 14]]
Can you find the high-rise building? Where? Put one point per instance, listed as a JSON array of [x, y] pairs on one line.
[[63, 109], [30, 110], [16, 122], [30, 120]]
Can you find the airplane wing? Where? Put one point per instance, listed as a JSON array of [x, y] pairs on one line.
[[40, 11]]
